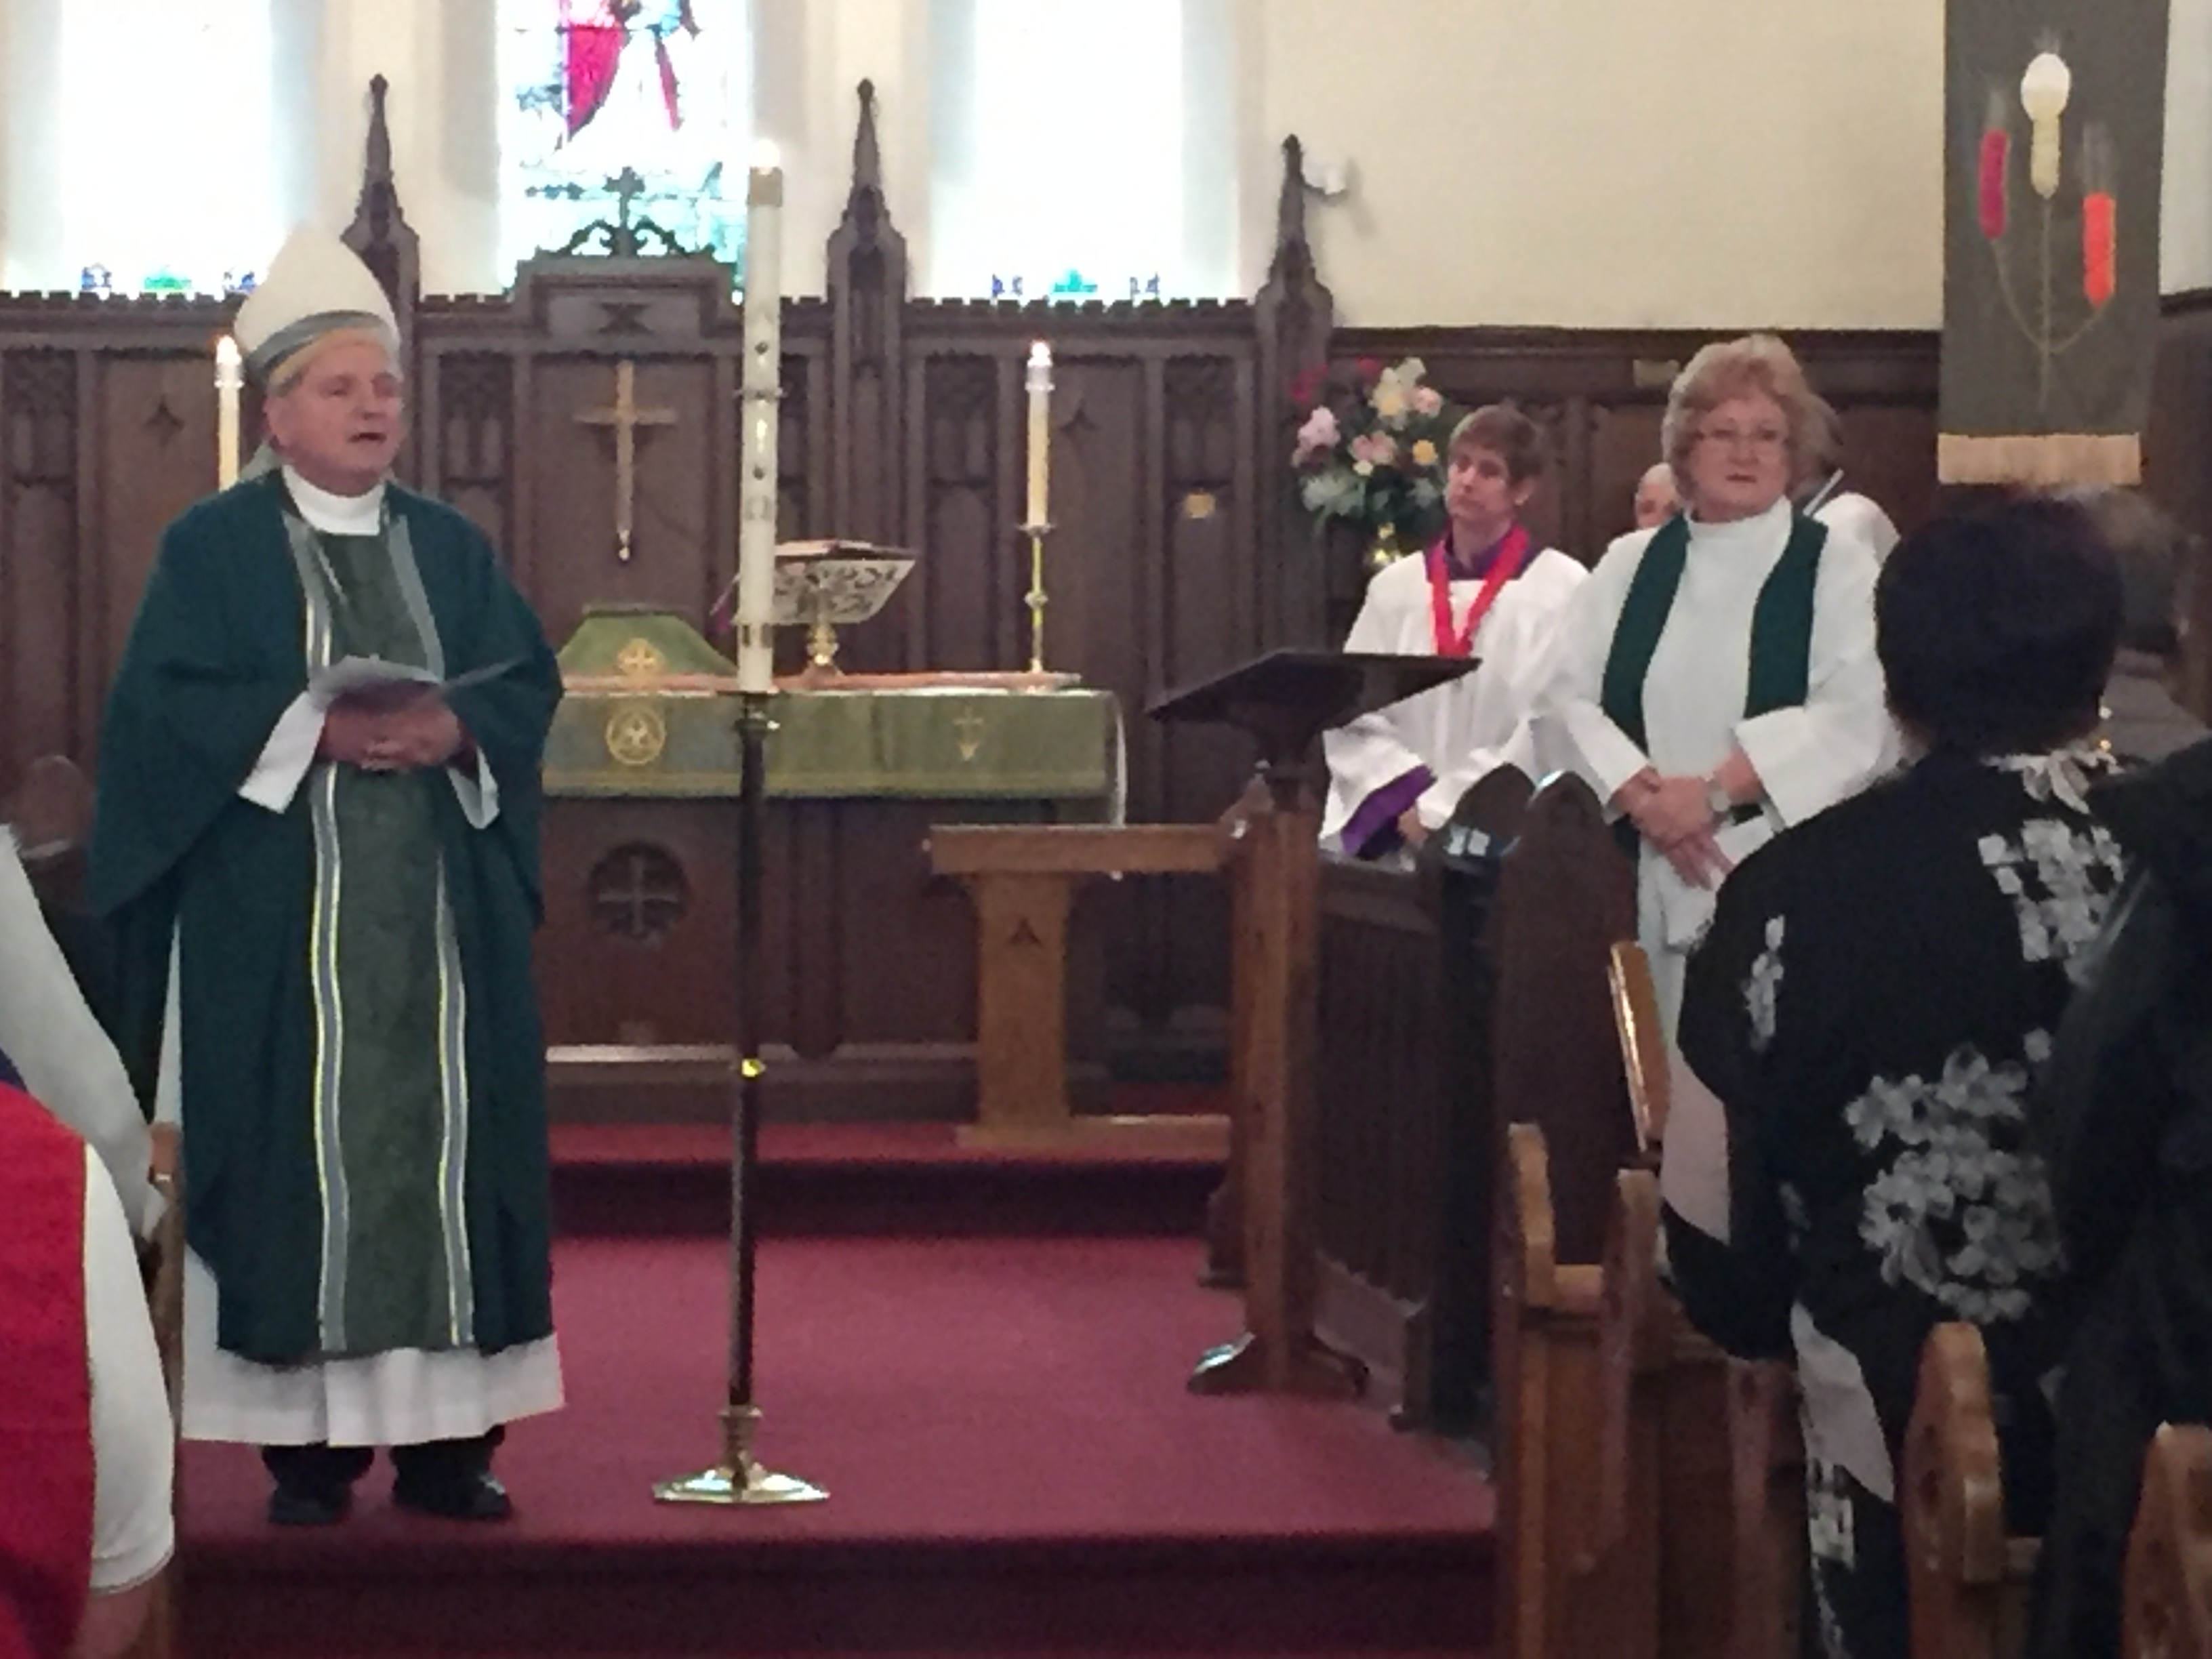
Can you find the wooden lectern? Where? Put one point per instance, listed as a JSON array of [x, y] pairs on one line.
[[1284, 700]]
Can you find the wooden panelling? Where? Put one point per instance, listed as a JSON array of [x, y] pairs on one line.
[[1179, 547]]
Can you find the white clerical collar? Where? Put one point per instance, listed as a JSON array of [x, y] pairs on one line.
[[1770, 525], [336, 515]]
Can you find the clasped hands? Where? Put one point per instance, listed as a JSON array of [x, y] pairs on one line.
[[1676, 816], [380, 734]]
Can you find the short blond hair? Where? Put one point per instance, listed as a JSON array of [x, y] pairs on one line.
[[1755, 365]]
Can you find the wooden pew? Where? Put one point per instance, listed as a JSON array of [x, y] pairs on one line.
[[2167, 1599], [1565, 894], [1561, 1592], [1970, 1581], [1381, 1122], [1644, 1052], [1720, 1436], [1701, 1479], [1406, 1130]]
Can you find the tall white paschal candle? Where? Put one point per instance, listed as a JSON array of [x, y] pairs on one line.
[[762, 387], [1040, 390], [229, 381]]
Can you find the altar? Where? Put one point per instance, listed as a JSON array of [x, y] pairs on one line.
[[870, 1008]]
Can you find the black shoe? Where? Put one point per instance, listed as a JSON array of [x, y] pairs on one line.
[[314, 1484], [452, 1494], [309, 1506]]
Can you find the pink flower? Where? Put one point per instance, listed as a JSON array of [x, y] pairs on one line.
[[1316, 437], [1427, 400], [1376, 448]]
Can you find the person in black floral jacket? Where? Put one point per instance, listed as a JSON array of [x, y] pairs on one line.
[[2125, 1116], [1847, 1163]]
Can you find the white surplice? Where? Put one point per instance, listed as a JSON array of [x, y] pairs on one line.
[[1461, 731], [1861, 518], [1807, 758], [66, 1060], [404, 1397]]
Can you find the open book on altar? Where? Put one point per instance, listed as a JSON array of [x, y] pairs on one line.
[[832, 582]]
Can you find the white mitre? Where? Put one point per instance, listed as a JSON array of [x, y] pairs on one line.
[[316, 289]]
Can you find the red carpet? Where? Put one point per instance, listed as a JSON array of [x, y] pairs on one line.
[[1014, 1464]]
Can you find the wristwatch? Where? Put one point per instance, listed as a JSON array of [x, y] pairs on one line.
[[1717, 799]]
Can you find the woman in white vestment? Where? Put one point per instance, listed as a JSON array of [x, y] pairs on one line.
[[1716, 677], [1485, 589]]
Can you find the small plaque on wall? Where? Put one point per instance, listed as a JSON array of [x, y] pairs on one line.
[[1198, 504]]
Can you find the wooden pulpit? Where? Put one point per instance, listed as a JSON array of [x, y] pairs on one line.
[[1283, 701]]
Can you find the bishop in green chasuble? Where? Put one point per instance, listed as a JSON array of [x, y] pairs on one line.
[[325, 901]]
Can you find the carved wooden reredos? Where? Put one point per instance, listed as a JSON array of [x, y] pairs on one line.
[[1179, 549]]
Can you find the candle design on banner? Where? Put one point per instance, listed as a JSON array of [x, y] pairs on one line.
[[762, 387], [2052, 311]]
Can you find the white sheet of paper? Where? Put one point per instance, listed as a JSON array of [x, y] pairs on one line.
[[350, 675]]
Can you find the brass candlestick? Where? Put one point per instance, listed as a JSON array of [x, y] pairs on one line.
[[1035, 599], [738, 1478]]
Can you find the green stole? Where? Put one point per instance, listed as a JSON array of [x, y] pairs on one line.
[[1781, 629], [391, 1082]]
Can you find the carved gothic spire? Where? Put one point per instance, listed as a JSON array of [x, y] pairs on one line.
[[867, 153], [378, 203], [1290, 210]]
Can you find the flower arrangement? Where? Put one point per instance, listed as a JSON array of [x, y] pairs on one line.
[[1372, 449]]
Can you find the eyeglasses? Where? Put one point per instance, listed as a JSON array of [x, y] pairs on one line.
[[1759, 438]]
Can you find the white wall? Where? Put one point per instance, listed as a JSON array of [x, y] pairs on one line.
[[2185, 212], [1571, 162], [1587, 162]]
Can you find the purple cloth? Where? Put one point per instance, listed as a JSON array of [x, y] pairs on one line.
[[1475, 568], [1380, 812]]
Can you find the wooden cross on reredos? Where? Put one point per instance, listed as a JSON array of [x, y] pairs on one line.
[[626, 416]]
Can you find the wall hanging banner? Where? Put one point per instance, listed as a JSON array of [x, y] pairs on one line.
[[2055, 117]]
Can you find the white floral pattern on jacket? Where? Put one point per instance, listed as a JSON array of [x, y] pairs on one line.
[[1963, 1213]]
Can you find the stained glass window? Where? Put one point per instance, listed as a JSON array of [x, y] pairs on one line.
[[594, 87], [1069, 158], [163, 178]]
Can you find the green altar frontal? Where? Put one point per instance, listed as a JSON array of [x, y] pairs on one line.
[[651, 711]]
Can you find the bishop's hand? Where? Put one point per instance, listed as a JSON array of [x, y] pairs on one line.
[[379, 735], [351, 726], [420, 733]]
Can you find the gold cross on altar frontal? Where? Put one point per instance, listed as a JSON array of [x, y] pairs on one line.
[[625, 415]]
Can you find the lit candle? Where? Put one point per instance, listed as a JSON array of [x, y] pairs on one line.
[[229, 380], [1040, 389], [762, 386]]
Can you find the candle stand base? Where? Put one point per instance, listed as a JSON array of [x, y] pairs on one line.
[[738, 1481]]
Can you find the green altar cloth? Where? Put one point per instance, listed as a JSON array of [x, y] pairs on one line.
[[651, 710]]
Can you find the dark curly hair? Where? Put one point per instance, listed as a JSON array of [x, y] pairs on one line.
[[1997, 627]]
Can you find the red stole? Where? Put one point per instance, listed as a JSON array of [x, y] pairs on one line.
[[1505, 561], [46, 1397]]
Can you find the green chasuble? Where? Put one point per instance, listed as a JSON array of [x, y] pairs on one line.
[[362, 1069]]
